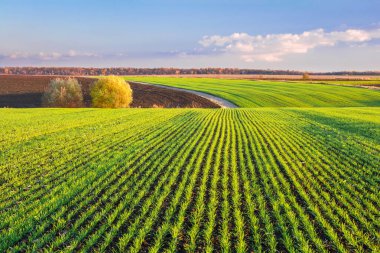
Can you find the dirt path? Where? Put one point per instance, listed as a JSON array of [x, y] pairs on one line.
[[148, 96], [217, 100]]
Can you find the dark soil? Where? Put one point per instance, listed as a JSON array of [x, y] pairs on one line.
[[26, 91]]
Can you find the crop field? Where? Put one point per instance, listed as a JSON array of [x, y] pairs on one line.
[[375, 83], [190, 180], [248, 93]]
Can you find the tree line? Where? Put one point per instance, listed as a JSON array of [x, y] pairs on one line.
[[164, 71]]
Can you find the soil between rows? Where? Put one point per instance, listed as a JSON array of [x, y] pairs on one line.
[[26, 91]]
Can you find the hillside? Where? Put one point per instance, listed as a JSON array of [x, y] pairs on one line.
[[248, 93]]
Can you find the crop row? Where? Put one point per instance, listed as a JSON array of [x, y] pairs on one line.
[[246, 180]]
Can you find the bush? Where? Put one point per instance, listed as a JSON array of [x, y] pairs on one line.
[[305, 76], [63, 93], [111, 92]]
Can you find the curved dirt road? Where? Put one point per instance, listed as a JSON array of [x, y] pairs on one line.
[[217, 100]]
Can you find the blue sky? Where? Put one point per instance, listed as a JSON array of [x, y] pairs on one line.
[[304, 35]]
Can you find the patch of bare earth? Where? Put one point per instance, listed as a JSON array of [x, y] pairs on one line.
[[26, 91]]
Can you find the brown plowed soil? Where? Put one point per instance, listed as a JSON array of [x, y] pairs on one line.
[[26, 91]]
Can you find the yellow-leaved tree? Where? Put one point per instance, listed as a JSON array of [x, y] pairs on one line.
[[111, 92]]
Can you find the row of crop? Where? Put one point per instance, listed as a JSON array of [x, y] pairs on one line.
[[182, 200], [225, 180], [29, 124], [142, 223], [76, 146], [84, 171], [197, 214], [348, 193], [120, 179], [282, 212], [193, 161], [289, 163], [126, 200], [272, 193], [55, 173], [336, 157], [343, 172]]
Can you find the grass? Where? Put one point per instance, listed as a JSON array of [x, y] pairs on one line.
[[247, 93], [232, 180]]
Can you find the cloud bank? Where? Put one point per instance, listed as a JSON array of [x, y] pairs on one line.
[[315, 50], [46, 56], [274, 47]]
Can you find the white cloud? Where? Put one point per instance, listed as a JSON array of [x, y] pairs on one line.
[[273, 47]]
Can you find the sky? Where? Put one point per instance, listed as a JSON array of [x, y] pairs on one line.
[[305, 35]]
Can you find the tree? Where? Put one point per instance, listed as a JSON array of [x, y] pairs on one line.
[[63, 93], [111, 92], [305, 76]]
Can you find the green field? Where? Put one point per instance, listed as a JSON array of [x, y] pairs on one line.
[[352, 83], [155, 180], [247, 93]]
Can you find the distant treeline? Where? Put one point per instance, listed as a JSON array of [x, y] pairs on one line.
[[163, 71]]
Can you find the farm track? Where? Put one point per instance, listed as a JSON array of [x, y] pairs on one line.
[[223, 103], [242, 180]]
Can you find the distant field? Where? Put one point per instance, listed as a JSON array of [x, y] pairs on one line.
[[238, 180], [375, 83], [275, 77], [248, 93]]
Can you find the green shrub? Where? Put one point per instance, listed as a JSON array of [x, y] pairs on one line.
[[63, 93], [111, 92]]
